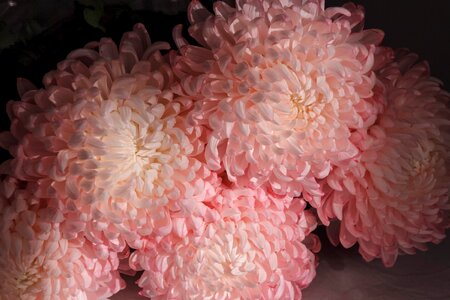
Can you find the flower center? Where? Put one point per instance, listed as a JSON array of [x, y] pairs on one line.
[[296, 101], [419, 166], [302, 107], [132, 154], [27, 278], [227, 263]]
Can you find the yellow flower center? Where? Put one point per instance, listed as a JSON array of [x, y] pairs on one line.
[[419, 166], [300, 106], [28, 277]]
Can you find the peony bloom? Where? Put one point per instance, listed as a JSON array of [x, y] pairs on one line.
[[252, 250], [279, 85], [37, 262], [394, 197], [105, 136]]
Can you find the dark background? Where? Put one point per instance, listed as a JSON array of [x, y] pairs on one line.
[[421, 26]]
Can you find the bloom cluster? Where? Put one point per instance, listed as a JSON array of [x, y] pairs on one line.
[[209, 166]]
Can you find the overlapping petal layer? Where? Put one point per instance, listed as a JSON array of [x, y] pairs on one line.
[[280, 85], [252, 250], [394, 197], [38, 262], [106, 136]]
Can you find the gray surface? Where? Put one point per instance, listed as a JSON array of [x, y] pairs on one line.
[[344, 275]]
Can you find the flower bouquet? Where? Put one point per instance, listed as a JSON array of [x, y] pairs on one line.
[[209, 166]]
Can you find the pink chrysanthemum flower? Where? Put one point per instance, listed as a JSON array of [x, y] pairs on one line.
[[394, 197], [37, 262], [280, 85], [253, 250], [106, 136]]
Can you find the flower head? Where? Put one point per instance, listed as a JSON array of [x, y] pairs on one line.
[[253, 250], [394, 197], [106, 136], [279, 85], [37, 262]]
